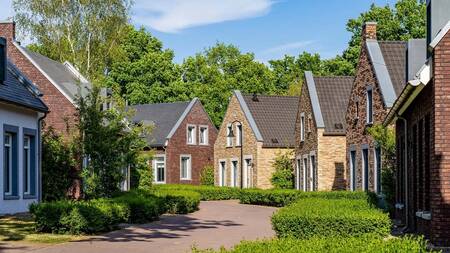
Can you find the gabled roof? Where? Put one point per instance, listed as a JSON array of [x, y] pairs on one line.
[[389, 61], [18, 90], [165, 117], [63, 76], [272, 118], [329, 100]]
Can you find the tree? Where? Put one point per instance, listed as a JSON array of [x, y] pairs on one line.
[[82, 32], [405, 21], [283, 177], [207, 175], [109, 142]]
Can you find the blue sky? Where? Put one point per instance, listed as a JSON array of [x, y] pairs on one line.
[[268, 28]]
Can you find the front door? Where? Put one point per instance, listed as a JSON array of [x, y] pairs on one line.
[[160, 170]]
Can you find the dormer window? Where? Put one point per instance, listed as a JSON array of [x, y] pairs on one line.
[[191, 134], [3, 63], [369, 116]]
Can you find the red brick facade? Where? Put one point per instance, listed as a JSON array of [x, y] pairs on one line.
[[62, 111], [201, 155]]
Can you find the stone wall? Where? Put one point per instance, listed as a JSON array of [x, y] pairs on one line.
[[331, 158]]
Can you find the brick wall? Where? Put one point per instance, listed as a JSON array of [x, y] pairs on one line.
[[201, 155], [62, 111]]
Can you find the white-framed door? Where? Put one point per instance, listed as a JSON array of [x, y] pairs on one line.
[[305, 176], [297, 173], [248, 171], [234, 172], [312, 172], [159, 169], [222, 172]]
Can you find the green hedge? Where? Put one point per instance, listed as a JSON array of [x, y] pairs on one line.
[[179, 202], [84, 217], [281, 198], [143, 207], [329, 217], [364, 244], [206, 192]]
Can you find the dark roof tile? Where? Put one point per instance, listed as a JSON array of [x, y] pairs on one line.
[[394, 54]]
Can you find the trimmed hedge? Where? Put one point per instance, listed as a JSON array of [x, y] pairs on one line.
[[281, 198], [179, 202], [206, 192], [364, 244], [84, 217], [143, 207], [330, 217]]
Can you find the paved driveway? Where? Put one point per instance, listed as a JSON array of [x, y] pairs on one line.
[[218, 223]]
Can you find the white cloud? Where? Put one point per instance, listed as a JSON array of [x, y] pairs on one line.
[[172, 16], [284, 48]]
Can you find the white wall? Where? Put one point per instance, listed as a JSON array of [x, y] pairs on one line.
[[21, 118]]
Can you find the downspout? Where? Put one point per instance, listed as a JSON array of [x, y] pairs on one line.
[[405, 125], [40, 156]]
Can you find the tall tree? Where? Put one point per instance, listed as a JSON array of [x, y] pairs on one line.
[[82, 32]]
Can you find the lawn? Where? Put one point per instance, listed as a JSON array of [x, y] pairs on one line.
[[21, 228]]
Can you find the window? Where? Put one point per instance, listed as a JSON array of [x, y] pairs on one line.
[[229, 139], [369, 116], [309, 123], [365, 169], [203, 138], [357, 109], [8, 164], [305, 166], [223, 173], [185, 167], [302, 127], [248, 172], [191, 134], [26, 164], [297, 174], [353, 170], [377, 178], [159, 167], [238, 134], [29, 163], [234, 173], [312, 174]]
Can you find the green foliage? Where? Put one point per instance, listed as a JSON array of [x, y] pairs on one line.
[[311, 217], [84, 33], [283, 177], [84, 217], [143, 207], [57, 159], [142, 176], [109, 142], [362, 244], [207, 176], [179, 202], [206, 192]]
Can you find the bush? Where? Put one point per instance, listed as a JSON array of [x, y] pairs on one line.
[[283, 177], [143, 207], [207, 176], [84, 217], [279, 197], [363, 244], [179, 202], [329, 217], [206, 192]]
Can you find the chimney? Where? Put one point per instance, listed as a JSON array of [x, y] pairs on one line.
[[3, 63], [369, 31], [8, 30]]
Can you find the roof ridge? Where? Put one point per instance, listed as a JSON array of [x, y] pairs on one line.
[[334, 77], [262, 95], [164, 103], [393, 41]]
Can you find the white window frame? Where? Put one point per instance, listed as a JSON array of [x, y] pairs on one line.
[[223, 172], [363, 173], [27, 151], [234, 177], [10, 169], [229, 139], [311, 170], [375, 166], [369, 106], [248, 171], [194, 131], [155, 169], [189, 167], [204, 135], [352, 169], [305, 167], [238, 132], [302, 127]]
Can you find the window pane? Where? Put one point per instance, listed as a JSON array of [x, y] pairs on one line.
[[7, 156]]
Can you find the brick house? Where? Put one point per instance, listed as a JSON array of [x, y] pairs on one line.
[[379, 79], [21, 114], [422, 133], [183, 139], [320, 133], [254, 131], [60, 82]]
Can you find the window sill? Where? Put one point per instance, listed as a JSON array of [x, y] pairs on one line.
[[9, 197], [159, 182], [203, 144], [185, 179], [191, 144], [426, 215], [26, 196]]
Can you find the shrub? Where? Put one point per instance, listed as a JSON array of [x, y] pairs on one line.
[[283, 177], [329, 217], [143, 207], [207, 176], [279, 197], [84, 217], [179, 202], [206, 192], [363, 244]]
